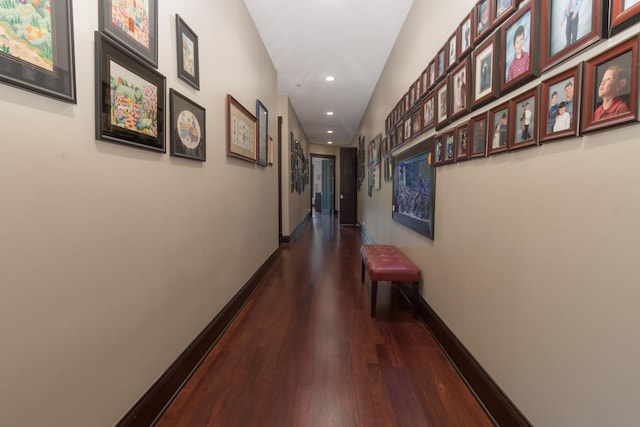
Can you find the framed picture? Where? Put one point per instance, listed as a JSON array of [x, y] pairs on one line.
[[502, 9], [37, 52], [399, 134], [623, 14], [572, 25], [449, 147], [416, 121], [482, 16], [242, 141], [610, 94], [388, 168], [459, 102], [441, 67], [377, 142], [462, 149], [431, 69], [188, 57], [438, 158], [412, 95], [500, 131], [428, 112], [132, 24], [519, 51], [418, 86], [478, 129], [187, 127], [130, 98], [452, 51], [414, 188], [485, 63], [465, 36], [524, 120], [424, 85], [560, 105], [262, 115], [407, 129], [442, 110]]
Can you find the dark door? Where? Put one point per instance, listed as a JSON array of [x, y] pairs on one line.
[[348, 185]]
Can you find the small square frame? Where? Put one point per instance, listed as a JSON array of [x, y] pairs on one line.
[[187, 127]]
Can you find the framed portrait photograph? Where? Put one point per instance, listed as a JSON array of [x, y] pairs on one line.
[[441, 67], [500, 129], [187, 127], [478, 136], [262, 115], [452, 51], [610, 94], [465, 36], [407, 128], [501, 10], [458, 82], [449, 147], [431, 69], [188, 57], [571, 26], [485, 63], [133, 25], [462, 149], [242, 141], [428, 112], [524, 120], [482, 17], [37, 52], [418, 85], [416, 121], [623, 14], [424, 82], [560, 105], [439, 142], [130, 98], [414, 188], [442, 101], [412, 95], [519, 40], [399, 134]]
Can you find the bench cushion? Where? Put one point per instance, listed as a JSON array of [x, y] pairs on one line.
[[388, 263]]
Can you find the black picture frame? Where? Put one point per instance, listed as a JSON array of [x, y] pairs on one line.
[[262, 114], [188, 61], [143, 43], [50, 70], [414, 188], [187, 126], [520, 30], [125, 83]]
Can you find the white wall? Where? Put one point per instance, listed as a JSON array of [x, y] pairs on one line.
[[534, 264], [112, 258]]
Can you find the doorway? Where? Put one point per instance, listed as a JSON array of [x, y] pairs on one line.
[[323, 187]]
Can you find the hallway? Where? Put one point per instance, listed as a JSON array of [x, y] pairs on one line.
[[304, 352]]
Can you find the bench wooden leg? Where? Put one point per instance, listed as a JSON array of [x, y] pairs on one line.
[[374, 296]]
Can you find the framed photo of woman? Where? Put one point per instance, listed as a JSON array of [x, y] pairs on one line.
[[519, 40], [623, 14], [485, 63], [610, 93], [524, 120], [560, 105], [500, 128], [458, 82], [478, 135]]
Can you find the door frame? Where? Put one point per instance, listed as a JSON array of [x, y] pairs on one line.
[[311, 192]]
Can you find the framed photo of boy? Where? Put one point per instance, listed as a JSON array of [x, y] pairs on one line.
[[482, 14], [524, 120], [560, 105], [485, 62], [462, 148], [500, 128], [623, 14], [442, 101], [571, 26], [459, 103], [478, 135], [518, 37], [465, 36], [501, 11], [610, 95], [428, 112]]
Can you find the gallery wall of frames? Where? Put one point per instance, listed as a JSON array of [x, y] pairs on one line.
[[500, 46]]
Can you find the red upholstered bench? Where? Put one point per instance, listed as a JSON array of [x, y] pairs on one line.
[[388, 263]]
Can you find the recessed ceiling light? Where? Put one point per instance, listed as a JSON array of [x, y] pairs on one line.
[[329, 78], [329, 131], [329, 113], [329, 142]]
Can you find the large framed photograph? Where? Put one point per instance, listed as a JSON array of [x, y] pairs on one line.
[[485, 63], [482, 15], [560, 105], [262, 114], [414, 188], [132, 24], [188, 56], [130, 98], [500, 131], [611, 87], [462, 149], [623, 14], [478, 135], [571, 26], [187, 127], [442, 110], [36, 46], [428, 112], [465, 36], [242, 141], [459, 90], [519, 40], [524, 120]]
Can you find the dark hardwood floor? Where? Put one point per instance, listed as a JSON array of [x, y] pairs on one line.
[[304, 352]]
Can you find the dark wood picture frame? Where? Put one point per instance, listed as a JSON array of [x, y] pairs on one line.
[[483, 19], [459, 90], [524, 120], [188, 54], [560, 90], [618, 64], [424, 85], [262, 115], [52, 71], [571, 37], [440, 64], [242, 131], [407, 128], [438, 154], [449, 146], [130, 98], [428, 108], [501, 10], [500, 128], [416, 121], [141, 43], [187, 124], [520, 29], [465, 36], [462, 146], [431, 70], [621, 17], [485, 65], [478, 130], [442, 104], [452, 51]]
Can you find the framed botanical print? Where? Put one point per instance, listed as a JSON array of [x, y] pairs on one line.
[[568, 27], [442, 101], [482, 15], [132, 24], [459, 103], [500, 128], [187, 127], [623, 14], [560, 105], [465, 36], [478, 129], [610, 94], [242, 141], [262, 115], [462, 149], [428, 112], [524, 120], [518, 38], [188, 57], [485, 66]]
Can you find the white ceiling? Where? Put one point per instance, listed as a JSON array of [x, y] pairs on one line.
[[311, 39]]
